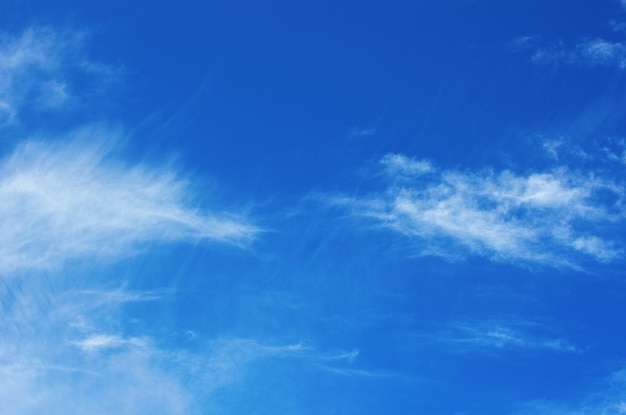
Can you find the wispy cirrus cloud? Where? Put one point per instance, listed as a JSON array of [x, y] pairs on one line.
[[587, 51], [607, 397], [361, 132], [69, 344], [473, 336], [401, 166], [120, 295], [547, 217], [107, 341], [64, 352], [126, 382], [45, 69], [603, 52], [74, 200]]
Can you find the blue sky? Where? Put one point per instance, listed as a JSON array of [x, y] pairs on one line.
[[312, 207]]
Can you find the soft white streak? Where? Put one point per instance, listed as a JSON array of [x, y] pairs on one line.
[[226, 360], [118, 296], [362, 132], [108, 341], [348, 359], [7, 113], [607, 397], [72, 200], [349, 356], [361, 373], [586, 52], [397, 164], [501, 336], [542, 217]]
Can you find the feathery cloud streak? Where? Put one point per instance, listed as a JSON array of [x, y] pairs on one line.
[[501, 335], [608, 397], [72, 200], [588, 51], [592, 51], [541, 217], [44, 69]]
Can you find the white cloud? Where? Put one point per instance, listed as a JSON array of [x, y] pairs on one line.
[[54, 357], [585, 52], [397, 164], [593, 246], [592, 52], [225, 360], [68, 343], [522, 42], [349, 356], [602, 52], [501, 335], [73, 200], [129, 382], [76, 351], [37, 69], [63, 352], [120, 295], [539, 217], [607, 397], [362, 132], [108, 341], [616, 154], [7, 113]]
